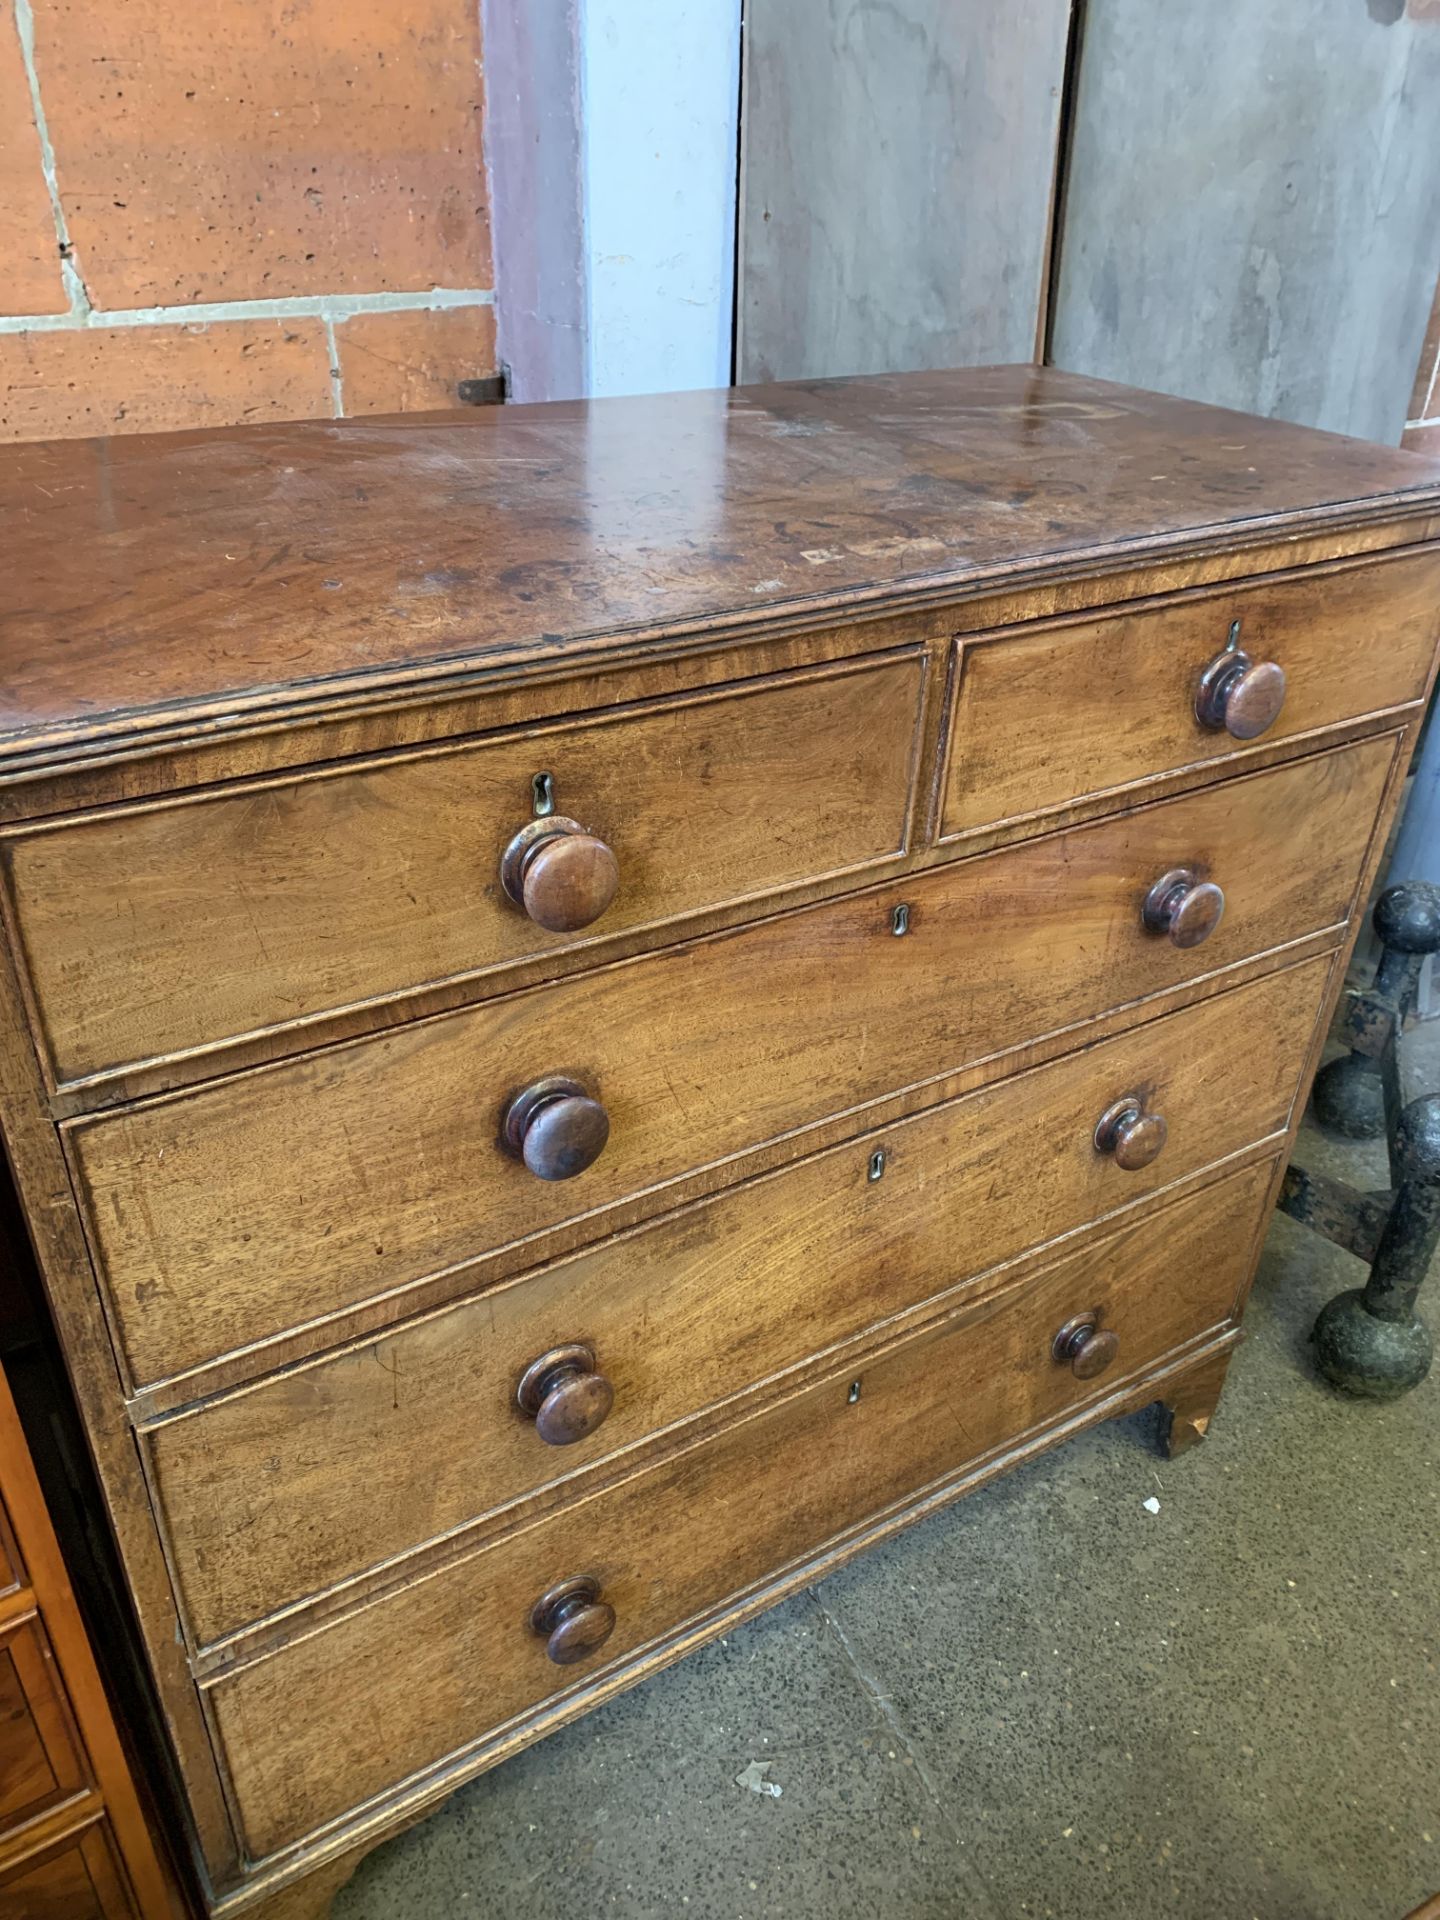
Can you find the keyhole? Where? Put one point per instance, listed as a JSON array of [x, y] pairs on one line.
[[542, 794]]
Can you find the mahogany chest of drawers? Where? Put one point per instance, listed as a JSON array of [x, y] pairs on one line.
[[605, 1004]]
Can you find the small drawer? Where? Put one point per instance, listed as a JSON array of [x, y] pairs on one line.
[[435, 1667], [151, 931], [76, 1877], [364, 1455], [40, 1763], [1074, 709], [226, 1216]]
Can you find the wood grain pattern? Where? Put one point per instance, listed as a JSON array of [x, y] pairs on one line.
[[452, 1656], [276, 1492], [1090, 706], [73, 1876], [37, 1165], [1192, 1406], [223, 1217], [12, 1571], [40, 1758], [297, 1885], [70, 1820], [262, 904], [316, 1263], [184, 753], [244, 571]]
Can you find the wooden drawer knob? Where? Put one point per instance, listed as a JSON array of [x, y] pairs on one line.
[[1183, 907], [1240, 695], [562, 876], [573, 1620], [1086, 1346], [1130, 1135], [564, 1395], [556, 1128]]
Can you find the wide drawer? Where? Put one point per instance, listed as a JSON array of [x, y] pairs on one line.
[[151, 930], [227, 1215], [432, 1669], [1076, 708], [287, 1487]]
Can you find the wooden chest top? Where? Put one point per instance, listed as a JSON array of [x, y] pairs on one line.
[[170, 583]]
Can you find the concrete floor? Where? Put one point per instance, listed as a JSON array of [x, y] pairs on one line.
[[1046, 1701]]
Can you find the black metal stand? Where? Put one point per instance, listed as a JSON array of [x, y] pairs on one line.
[[1370, 1341]]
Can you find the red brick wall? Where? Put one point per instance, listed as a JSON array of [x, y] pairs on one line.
[[226, 210]]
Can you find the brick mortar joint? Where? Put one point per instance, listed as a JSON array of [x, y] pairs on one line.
[[71, 277], [334, 309]]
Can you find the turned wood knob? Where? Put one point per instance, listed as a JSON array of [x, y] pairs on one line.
[[556, 1128], [1184, 908], [1129, 1134], [573, 1620], [564, 1395], [562, 876], [1240, 695], [1086, 1346]]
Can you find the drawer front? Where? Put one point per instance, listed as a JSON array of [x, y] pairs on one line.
[[78, 1878], [152, 930], [1084, 707], [353, 1709], [227, 1215], [12, 1572], [283, 1489], [40, 1762]]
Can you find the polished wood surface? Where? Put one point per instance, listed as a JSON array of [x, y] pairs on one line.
[[76, 1876], [264, 903], [606, 1004], [310, 1477], [249, 569], [40, 1758], [1093, 705], [12, 1573], [73, 1839], [254, 1218], [453, 1653]]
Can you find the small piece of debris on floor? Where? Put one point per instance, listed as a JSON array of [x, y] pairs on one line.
[[753, 1777], [1152, 1505]]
